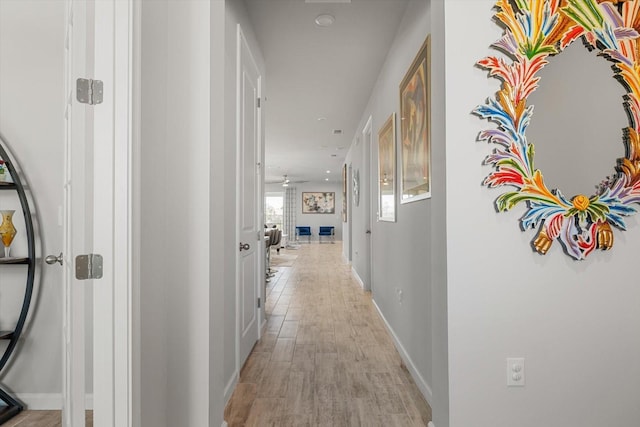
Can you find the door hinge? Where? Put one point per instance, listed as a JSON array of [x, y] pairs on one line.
[[89, 91], [259, 102], [258, 302], [89, 267]]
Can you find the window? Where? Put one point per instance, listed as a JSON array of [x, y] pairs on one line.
[[274, 209]]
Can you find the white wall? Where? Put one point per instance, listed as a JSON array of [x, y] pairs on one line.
[[437, 235], [402, 251], [574, 322], [188, 176], [31, 123], [176, 277], [219, 263], [154, 312]]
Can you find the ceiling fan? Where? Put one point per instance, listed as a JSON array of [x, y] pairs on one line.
[[285, 181]]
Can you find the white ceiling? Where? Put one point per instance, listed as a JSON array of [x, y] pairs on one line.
[[314, 72]]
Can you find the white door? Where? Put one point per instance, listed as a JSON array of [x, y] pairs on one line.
[[365, 200], [97, 215], [250, 233]]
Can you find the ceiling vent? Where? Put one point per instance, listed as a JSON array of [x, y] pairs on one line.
[[337, 131]]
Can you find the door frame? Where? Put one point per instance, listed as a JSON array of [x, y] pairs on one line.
[[350, 210], [113, 214], [113, 141], [366, 192]]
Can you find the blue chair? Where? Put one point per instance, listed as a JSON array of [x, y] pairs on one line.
[[303, 230], [326, 231]]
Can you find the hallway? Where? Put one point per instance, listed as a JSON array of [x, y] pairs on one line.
[[326, 357]]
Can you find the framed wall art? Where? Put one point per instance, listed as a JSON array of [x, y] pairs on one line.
[[387, 170], [356, 187], [415, 129], [318, 202], [344, 192]]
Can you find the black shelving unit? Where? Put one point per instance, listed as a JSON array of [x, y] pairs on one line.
[[12, 406]]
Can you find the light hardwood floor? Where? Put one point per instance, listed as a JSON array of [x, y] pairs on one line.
[[42, 419], [326, 358]]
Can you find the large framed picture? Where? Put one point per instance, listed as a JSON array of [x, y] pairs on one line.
[[318, 203], [387, 170], [416, 128], [344, 193]]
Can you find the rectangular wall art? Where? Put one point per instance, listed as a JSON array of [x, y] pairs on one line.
[[387, 170], [344, 193], [415, 129], [318, 203]]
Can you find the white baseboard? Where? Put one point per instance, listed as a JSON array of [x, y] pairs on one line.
[[224, 424], [345, 259], [47, 401], [415, 374], [88, 401], [231, 385], [357, 277], [40, 401], [431, 424]]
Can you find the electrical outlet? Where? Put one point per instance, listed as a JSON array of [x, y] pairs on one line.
[[515, 372], [399, 295]]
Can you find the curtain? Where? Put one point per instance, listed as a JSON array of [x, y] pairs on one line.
[[289, 226]]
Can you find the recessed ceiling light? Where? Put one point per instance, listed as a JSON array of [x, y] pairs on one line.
[[320, 119], [328, 171], [326, 179], [325, 20]]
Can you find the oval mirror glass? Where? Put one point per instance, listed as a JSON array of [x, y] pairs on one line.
[[577, 121]]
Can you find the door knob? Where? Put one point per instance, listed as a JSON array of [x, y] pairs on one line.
[[244, 247], [368, 232], [52, 259]]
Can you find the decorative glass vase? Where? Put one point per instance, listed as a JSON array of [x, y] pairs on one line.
[[7, 230]]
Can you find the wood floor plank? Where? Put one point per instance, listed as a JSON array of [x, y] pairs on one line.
[[289, 329], [267, 343], [265, 412], [274, 324], [304, 358], [331, 407], [385, 390], [237, 411], [300, 393], [365, 413], [283, 351], [275, 380], [40, 418], [326, 358], [254, 367]]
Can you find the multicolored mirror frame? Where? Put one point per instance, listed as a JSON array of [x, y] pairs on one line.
[[535, 30]]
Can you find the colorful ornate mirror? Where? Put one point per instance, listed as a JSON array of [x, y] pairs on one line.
[[534, 31]]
